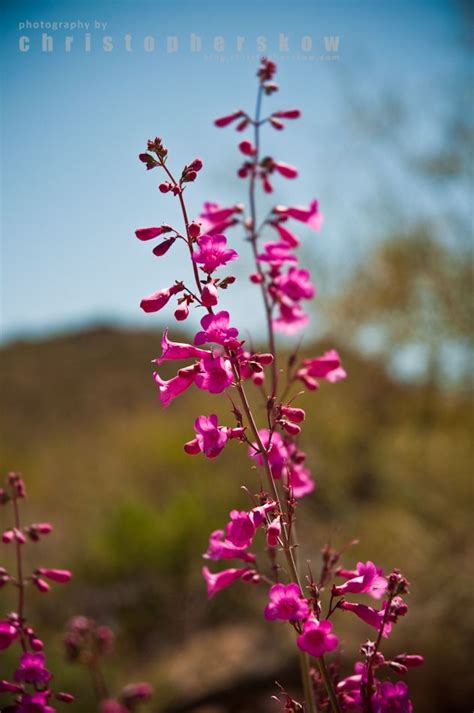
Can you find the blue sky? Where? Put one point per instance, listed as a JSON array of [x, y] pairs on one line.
[[73, 123]]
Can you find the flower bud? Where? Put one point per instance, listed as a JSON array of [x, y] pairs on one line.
[[163, 247], [195, 165], [181, 312], [192, 447], [61, 576], [226, 120], [64, 697], [40, 584], [279, 125], [264, 359], [247, 148], [288, 114], [164, 187], [291, 428], [296, 415], [209, 296], [194, 229], [256, 278]]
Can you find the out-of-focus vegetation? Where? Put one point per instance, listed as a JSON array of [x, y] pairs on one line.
[[132, 515]]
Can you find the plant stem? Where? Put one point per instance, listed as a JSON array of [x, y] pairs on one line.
[[19, 573], [328, 684], [307, 682], [253, 235]]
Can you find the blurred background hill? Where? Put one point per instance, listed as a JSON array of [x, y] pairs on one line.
[[132, 513]]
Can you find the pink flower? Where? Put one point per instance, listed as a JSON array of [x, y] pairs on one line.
[[296, 284], [317, 638], [311, 215], [277, 454], [372, 617], [210, 437], [35, 703], [285, 169], [215, 219], [286, 235], [367, 578], [215, 374], [328, 366], [241, 528], [213, 253], [157, 300], [8, 634], [60, 576], [291, 318], [222, 549], [221, 580], [177, 350], [276, 254], [216, 330], [286, 603], [392, 698], [300, 480], [172, 388], [149, 233], [32, 669]]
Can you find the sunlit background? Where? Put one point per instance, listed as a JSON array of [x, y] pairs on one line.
[[384, 143]]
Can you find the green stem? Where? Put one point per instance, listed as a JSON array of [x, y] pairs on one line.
[[328, 685]]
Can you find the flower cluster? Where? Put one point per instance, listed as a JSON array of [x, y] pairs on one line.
[[29, 688], [216, 359], [86, 643]]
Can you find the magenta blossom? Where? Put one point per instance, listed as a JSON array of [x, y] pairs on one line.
[[172, 388], [311, 215], [158, 300], [215, 374], [35, 703], [241, 528], [328, 367], [277, 453], [32, 669], [216, 330], [286, 235], [296, 284], [300, 480], [286, 603], [215, 219], [210, 437], [317, 638], [291, 318], [176, 350], [8, 634], [371, 616], [392, 698], [221, 580], [276, 254], [213, 253], [366, 579], [222, 549]]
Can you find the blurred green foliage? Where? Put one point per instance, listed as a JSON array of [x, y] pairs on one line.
[[132, 514]]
